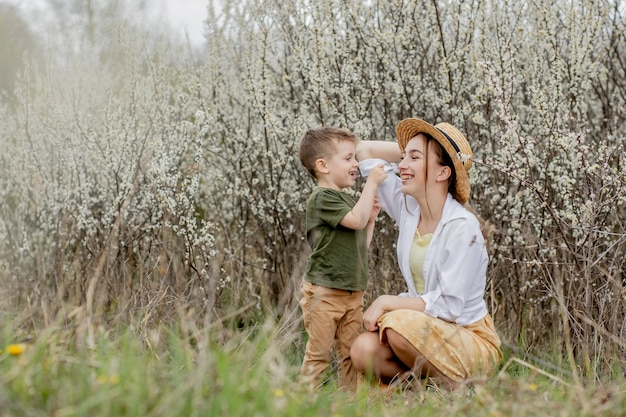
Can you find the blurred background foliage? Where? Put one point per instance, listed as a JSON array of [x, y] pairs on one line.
[[17, 41], [144, 180]]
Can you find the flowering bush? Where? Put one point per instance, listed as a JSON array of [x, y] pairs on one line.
[[164, 181]]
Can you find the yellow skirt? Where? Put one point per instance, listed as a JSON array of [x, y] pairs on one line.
[[459, 352]]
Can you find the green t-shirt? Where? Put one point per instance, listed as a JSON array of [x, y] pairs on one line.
[[339, 256]]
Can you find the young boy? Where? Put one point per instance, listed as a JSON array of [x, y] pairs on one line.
[[339, 232]]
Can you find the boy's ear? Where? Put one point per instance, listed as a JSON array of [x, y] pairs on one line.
[[320, 166]]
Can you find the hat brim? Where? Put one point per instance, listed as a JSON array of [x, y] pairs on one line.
[[407, 129]]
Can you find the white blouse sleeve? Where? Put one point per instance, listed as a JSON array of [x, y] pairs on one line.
[[389, 190]]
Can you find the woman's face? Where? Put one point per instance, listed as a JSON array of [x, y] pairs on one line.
[[417, 168]]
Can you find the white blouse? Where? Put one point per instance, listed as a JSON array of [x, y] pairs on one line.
[[455, 267]]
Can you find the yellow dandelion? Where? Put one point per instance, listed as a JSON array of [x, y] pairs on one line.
[[16, 349], [279, 393], [532, 387], [109, 379]]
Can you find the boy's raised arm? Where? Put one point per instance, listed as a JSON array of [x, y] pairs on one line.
[[360, 214]]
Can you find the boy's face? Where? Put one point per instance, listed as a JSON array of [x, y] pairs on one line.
[[340, 170]]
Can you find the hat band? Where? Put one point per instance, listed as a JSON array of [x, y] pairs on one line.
[[453, 143]]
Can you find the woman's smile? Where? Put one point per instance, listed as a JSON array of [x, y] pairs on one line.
[[405, 176]]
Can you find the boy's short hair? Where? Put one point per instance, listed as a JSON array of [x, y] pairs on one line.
[[319, 143]]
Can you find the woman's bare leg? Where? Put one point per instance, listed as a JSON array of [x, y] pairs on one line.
[[413, 359], [372, 358]]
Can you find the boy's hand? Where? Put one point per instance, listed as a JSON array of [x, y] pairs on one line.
[[377, 174]]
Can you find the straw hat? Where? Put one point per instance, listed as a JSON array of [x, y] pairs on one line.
[[452, 141]]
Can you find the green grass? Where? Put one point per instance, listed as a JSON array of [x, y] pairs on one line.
[[174, 372]]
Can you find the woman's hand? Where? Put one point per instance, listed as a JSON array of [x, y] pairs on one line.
[[386, 303], [373, 313]]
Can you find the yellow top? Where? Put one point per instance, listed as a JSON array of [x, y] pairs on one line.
[[416, 259]]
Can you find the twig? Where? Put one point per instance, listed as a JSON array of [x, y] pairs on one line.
[[534, 368]]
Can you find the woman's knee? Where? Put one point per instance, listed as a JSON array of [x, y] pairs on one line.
[[363, 349]]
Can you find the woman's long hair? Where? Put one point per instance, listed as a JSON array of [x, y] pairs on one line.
[[446, 160]]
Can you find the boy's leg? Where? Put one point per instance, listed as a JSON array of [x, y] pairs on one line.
[[321, 315], [349, 328]]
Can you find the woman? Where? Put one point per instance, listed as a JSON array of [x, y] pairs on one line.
[[440, 327]]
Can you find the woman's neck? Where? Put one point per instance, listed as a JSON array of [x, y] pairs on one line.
[[431, 209]]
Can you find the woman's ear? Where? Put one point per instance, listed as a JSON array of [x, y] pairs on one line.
[[320, 166], [444, 173]]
